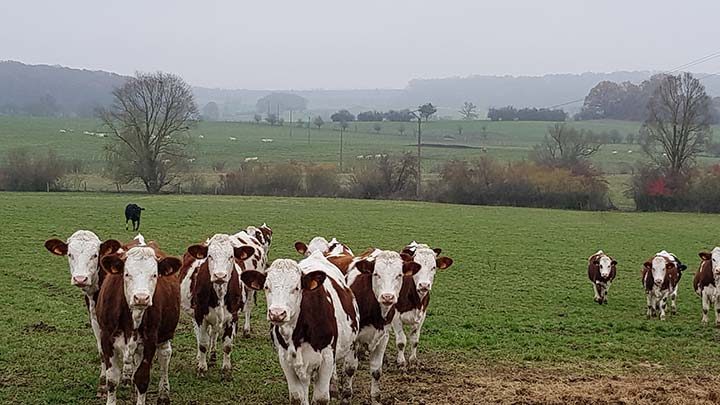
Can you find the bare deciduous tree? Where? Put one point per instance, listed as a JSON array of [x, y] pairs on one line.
[[149, 119], [564, 147], [678, 123], [468, 111]]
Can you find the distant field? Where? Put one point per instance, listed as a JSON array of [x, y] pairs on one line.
[[513, 316]]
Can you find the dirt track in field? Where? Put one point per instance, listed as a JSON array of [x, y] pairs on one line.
[[440, 383]]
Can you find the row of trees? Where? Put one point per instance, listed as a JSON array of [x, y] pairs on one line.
[[511, 113], [370, 116]]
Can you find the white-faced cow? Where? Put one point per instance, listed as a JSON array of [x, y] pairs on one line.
[[376, 278], [213, 295], [336, 252], [255, 261], [601, 272], [661, 275], [84, 251], [706, 281], [314, 320], [414, 298], [138, 310]]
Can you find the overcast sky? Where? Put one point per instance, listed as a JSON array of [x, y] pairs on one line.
[[285, 44]]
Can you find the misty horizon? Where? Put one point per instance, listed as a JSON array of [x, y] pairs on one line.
[[372, 45]]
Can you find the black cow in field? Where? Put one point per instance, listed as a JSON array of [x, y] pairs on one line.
[[132, 213]]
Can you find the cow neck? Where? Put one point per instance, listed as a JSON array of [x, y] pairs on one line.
[[284, 332], [93, 290], [137, 317]]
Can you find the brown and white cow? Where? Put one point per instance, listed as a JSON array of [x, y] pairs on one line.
[[376, 279], [84, 251], [138, 310], [213, 295], [314, 322], [414, 298], [601, 272], [263, 234], [336, 252], [706, 281], [256, 261], [661, 275]]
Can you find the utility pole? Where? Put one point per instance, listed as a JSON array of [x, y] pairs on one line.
[[308, 125], [419, 143], [341, 148], [291, 123]]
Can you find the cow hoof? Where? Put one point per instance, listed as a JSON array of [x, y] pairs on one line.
[[673, 312], [212, 359], [402, 365], [165, 400], [227, 374], [246, 333], [201, 373]]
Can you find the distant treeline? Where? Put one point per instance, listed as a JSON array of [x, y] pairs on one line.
[[511, 113]]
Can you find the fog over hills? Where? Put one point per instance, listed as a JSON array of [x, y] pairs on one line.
[[57, 90]]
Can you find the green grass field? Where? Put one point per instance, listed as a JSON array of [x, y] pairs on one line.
[[517, 295]]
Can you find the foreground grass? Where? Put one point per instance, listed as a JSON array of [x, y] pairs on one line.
[[517, 293]]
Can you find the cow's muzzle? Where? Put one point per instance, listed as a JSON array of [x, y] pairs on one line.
[[81, 281], [388, 299], [141, 300], [277, 315], [658, 281]]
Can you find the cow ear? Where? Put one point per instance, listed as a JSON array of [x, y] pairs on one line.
[[198, 251], [410, 269], [243, 252], [443, 263], [682, 267], [112, 264], [437, 251], [613, 263], [365, 266], [596, 262], [169, 266], [109, 246], [648, 265], [406, 257], [312, 280], [407, 251], [254, 279], [266, 230], [56, 247], [703, 255], [301, 247]]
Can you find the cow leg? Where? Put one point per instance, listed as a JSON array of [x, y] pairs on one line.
[[663, 306], [138, 224], [376, 361], [129, 359], [298, 393], [203, 343], [212, 355], [705, 307], [321, 383], [247, 310], [650, 306], [164, 354], [228, 337], [597, 294], [112, 363], [350, 367], [142, 374], [400, 340], [605, 293], [673, 305], [415, 339], [102, 384], [126, 223]]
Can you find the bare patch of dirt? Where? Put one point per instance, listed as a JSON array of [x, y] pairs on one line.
[[438, 381], [39, 327]]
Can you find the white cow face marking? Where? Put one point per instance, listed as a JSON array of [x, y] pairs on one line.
[[659, 268], [82, 250], [605, 265], [220, 255], [714, 257], [387, 270], [429, 264], [140, 269], [283, 283]]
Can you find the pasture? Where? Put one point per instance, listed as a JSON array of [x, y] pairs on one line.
[[512, 320]]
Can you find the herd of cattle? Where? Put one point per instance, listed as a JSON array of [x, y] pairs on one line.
[[661, 277], [323, 310]]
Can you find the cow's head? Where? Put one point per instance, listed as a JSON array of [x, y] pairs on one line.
[[140, 269], [83, 250], [429, 261], [658, 268], [605, 265], [714, 258], [220, 255], [317, 244], [387, 269], [284, 283]]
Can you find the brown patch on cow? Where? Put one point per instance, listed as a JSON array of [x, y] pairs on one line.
[[316, 322], [594, 270], [346, 300], [409, 299], [704, 276], [368, 305], [672, 275], [342, 262], [367, 252], [204, 297]]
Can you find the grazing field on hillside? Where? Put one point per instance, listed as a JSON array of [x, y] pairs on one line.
[[512, 320], [212, 144]]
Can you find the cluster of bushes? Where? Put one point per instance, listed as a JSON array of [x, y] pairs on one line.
[[486, 182], [25, 172], [511, 113], [699, 191]]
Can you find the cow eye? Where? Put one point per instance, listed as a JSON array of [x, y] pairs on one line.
[[94, 256], [70, 255], [154, 276], [128, 275]]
